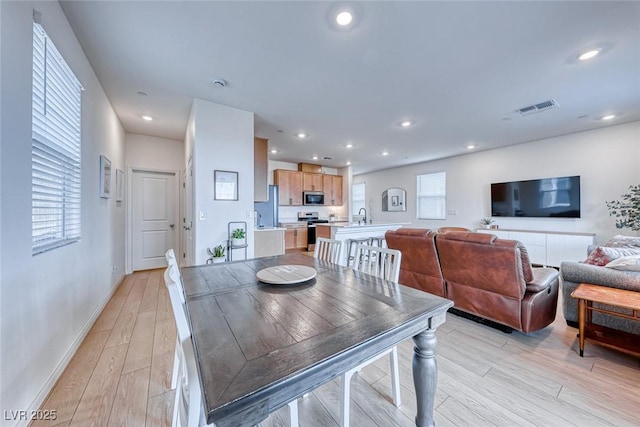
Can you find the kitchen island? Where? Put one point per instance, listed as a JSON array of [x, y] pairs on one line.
[[347, 230]]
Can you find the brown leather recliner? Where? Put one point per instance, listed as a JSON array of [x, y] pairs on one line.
[[493, 278], [420, 266]]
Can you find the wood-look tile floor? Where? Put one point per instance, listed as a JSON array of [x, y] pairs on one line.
[[120, 375]]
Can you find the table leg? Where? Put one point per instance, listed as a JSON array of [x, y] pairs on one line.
[[425, 376], [582, 308]]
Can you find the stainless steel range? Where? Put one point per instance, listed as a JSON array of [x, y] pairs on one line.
[[312, 219]]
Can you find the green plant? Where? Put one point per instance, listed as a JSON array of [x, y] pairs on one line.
[[627, 210], [486, 221], [238, 233], [217, 252]]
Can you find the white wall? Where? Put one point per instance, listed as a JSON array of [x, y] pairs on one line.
[[50, 300], [606, 159], [152, 153], [222, 140]]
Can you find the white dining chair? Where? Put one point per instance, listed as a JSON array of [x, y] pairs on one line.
[[385, 264], [188, 409], [327, 250]]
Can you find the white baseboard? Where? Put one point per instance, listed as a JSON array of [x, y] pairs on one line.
[[55, 375]]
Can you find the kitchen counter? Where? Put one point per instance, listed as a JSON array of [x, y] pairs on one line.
[[345, 231], [268, 228]]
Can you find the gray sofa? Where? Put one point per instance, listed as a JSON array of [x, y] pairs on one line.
[[574, 273]]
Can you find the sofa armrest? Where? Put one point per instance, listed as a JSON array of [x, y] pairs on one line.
[[543, 278], [578, 272]]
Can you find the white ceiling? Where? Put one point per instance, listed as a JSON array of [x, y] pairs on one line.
[[458, 69]]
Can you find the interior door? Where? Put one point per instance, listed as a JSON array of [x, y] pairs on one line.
[[187, 225], [154, 212]]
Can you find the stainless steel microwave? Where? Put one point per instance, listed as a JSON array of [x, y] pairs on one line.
[[313, 198]]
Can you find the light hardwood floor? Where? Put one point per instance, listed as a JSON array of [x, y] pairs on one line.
[[121, 374]]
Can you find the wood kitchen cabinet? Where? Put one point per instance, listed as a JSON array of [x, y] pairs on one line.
[[295, 237], [289, 187], [312, 181], [260, 169], [332, 187]]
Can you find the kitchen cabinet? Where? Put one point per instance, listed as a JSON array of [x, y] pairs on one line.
[[295, 236], [332, 187], [260, 169], [289, 186], [311, 181]]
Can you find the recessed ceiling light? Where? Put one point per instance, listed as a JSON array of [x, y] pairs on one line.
[[141, 93], [344, 18], [274, 151], [147, 118], [349, 145], [406, 123], [470, 147], [385, 153], [302, 135], [348, 163], [218, 82], [315, 157], [589, 54], [609, 117]]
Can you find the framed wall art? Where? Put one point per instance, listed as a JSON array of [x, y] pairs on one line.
[[105, 177], [225, 185]]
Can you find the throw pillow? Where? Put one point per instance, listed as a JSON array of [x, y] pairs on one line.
[[626, 263], [621, 241], [602, 255]]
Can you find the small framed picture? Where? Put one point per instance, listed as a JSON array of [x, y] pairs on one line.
[[105, 177], [119, 185], [225, 185]]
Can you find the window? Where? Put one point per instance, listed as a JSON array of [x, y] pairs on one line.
[[358, 200], [432, 191], [55, 148]]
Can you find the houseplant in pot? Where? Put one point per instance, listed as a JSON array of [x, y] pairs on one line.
[[627, 209], [217, 254], [237, 237], [486, 222]]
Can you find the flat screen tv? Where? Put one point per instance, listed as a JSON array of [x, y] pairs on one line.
[[537, 198]]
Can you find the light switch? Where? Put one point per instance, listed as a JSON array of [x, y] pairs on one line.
[[452, 212], [203, 216]]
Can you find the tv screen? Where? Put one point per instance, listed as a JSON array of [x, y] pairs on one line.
[[537, 198]]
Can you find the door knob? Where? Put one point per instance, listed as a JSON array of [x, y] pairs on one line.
[[187, 228], [171, 225]]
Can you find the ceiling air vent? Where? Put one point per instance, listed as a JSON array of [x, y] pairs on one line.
[[537, 108]]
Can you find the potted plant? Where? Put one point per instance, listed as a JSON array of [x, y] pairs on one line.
[[627, 210], [237, 237], [486, 222], [217, 254]]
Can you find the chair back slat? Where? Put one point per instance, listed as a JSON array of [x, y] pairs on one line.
[[379, 262], [179, 314], [327, 250]]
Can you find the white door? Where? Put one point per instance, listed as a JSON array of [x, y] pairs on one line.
[[155, 213], [187, 225]]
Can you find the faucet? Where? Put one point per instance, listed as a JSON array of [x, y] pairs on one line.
[[365, 214]]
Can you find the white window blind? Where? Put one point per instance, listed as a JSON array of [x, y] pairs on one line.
[[432, 192], [55, 148], [357, 197]]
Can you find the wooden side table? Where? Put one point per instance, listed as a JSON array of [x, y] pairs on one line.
[[587, 294]]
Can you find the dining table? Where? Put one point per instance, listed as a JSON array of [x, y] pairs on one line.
[[259, 345]]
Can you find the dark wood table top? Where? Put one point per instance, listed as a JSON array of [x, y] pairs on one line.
[[259, 346]]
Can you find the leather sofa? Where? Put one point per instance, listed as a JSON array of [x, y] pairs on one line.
[[484, 276]]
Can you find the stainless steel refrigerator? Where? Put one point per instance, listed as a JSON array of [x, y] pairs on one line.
[[267, 212]]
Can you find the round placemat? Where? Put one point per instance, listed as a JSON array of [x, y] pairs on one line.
[[286, 274]]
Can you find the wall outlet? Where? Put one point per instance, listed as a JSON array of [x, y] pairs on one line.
[[203, 216], [452, 212], [114, 268]]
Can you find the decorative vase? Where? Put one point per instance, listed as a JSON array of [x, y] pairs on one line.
[[487, 226], [216, 260], [237, 242]]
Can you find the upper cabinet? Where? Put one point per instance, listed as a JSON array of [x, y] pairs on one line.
[[312, 181], [260, 169], [332, 187], [289, 187]]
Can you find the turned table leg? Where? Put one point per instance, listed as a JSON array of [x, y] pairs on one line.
[[425, 376], [582, 308]]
